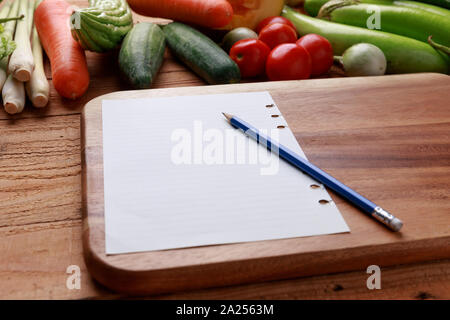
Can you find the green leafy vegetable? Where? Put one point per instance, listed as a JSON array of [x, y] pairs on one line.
[[7, 45], [103, 25]]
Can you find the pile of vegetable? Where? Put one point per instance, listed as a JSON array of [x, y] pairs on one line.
[[278, 53], [23, 73], [64, 35], [225, 14], [413, 36], [263, 40]]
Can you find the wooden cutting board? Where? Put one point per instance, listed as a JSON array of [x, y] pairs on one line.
[[387, 137]]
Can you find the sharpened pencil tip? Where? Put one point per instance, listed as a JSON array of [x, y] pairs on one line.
[[228, 116]]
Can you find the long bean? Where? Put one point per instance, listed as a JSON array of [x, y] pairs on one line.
[[409, 22], [312, 7], [404, 55]]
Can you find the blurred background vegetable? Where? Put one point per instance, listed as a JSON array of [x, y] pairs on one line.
[[248, 13], [206, 13], [294, 3]]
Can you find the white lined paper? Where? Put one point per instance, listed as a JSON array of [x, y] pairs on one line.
[[151, 203]]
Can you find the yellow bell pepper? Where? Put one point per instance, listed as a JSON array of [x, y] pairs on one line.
[[248, 13]]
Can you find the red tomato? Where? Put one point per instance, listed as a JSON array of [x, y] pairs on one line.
[[320, 51], [250, 55], [272, 20], [288, 62], [277, 33]]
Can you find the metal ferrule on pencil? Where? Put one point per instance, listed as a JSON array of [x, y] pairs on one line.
[[387, 219]]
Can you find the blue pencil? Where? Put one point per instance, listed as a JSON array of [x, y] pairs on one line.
[[358, 200]]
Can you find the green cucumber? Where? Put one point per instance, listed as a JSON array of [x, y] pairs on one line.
[[403, 55], [142, 54], [409, 22], [201, 54], [103, 25]]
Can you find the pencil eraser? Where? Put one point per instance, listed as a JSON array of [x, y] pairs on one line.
[[396, 224]]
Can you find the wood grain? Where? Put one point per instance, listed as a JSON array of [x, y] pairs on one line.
[[417, 281], [43, 187], [405, 154]]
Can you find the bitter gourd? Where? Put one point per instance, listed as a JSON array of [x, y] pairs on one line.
[[101, 26]]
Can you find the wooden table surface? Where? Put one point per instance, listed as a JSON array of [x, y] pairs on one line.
[[40, 211]]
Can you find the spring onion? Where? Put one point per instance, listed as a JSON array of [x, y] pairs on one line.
[[37, 88], [21, 63]]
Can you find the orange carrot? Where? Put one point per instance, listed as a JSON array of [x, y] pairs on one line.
[[67, 59], [206, 13]]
